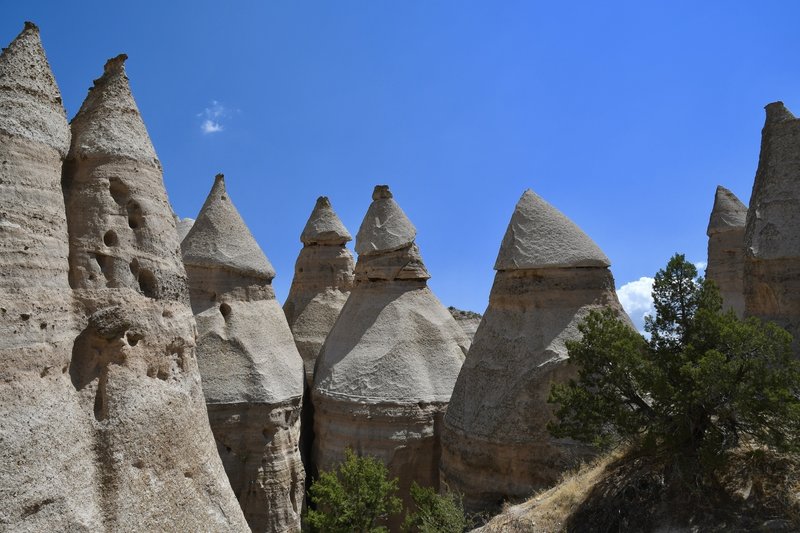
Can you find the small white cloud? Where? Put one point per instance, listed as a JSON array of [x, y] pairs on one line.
[[637, 300], [212, 117], [209, 126], [700, 266]]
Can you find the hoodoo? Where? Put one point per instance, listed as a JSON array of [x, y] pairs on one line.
[[252, 372], [387, 369], [726, 249], [495, 444], [323, 277], [772, 230], [133, 364], [47, 469]]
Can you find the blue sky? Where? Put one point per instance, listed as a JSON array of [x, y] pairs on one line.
[[624, 115]]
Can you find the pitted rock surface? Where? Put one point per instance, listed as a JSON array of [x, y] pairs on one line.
[[726, 249]]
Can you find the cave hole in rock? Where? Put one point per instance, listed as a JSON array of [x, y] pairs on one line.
[[110, 238], [133, 338], [225, 309], [119, 191], [135, 215], [148, 283]]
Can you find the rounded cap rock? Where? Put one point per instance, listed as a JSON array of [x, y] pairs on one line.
[[541, 236], [219, 238], [385, 227], [323, 226], [729, 213]]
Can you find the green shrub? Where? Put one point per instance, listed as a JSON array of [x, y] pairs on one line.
[[435, 513]]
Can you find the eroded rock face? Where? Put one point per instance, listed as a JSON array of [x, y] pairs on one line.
[[387, 369], [772, 234], [183, 226], [252, 372], [133, 363], [323, 277], [726, 249], [495, 444], [47, 466], [468, 320]]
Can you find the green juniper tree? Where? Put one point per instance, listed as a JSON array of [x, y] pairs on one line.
[[354, 498], [705, 381], [435, 513]]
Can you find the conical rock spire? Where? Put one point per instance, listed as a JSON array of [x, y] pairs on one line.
[[220, 238], [385, 226], [729, 213], [30, 102], [324, 226], [109, 122], [541, 236]]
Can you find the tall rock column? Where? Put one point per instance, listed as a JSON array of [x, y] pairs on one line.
[[133, 364], [550, 274], [46, 459], [726, 249], [323, 277], [772, 231], [387, 369], [252, 373]]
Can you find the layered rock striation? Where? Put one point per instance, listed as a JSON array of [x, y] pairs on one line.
[[133, 363], [772, 230], [252, 372], [47, 464], [726, 249], [550, 274], [323, 278], [386, 372]]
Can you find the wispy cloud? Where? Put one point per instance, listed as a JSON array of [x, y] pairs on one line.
[[212, 118], [637, 300]]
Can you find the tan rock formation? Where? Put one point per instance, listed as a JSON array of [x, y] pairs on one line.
[[387, 369], [252, 373], [468, 320], [549, 275], [133, 364], [323, 277], [47, 467], [772, 231], [726, 249], [183, 226]]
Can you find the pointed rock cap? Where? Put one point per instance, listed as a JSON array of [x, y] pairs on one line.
[[109, 122], [540, 236], [219, 238], [385, 226], [323, 226], [30, 102], [777, 112], [729, 213]]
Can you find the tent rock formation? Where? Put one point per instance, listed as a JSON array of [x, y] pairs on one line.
[[549, 275], [323, 277], [133, 363], [726, 249], [772, 230], [385, 374], [252, 373]]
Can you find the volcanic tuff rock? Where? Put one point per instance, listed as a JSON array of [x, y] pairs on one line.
[[47, 464], [387, 369], [772, 230], [323, 277], [726, 248], [252, 373], [495, 443], [183, 225], [468, 320], [133, 364]]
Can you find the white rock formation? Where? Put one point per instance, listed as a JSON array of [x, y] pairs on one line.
[[495, 444], [772, 231], [323, 277], [133, 364], [47, 463], [726, 249], [183, 225], [252, 372], [385, 374]]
